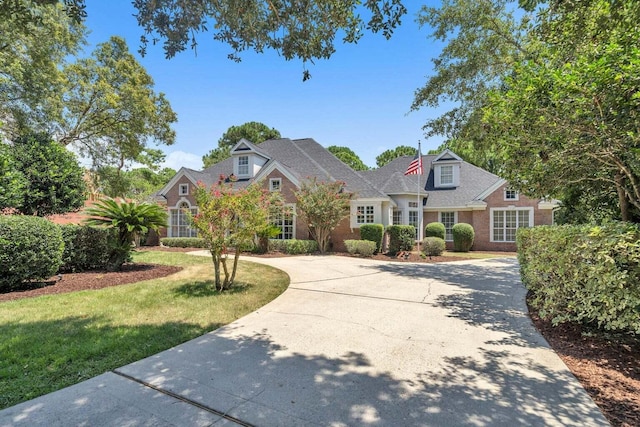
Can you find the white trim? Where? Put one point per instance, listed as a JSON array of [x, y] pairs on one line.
[[273, 181], [236, 166], [504, 209], [506, 199], [181, 173], [185, 192], [275, 165], [548, 204], [455, 221], [486, 193], [456, 158]]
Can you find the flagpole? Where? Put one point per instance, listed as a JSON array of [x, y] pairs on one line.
[[420, 212]]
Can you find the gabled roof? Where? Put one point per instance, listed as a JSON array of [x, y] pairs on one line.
[[302, 159], [474, 181], [246, 146]]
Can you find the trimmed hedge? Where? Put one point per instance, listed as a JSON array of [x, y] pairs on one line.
[[463, 236], [435, 229], [361, 247], [588, 274], [30, 249], [373, 233], [401, 238], [86, 247], [294, 246], [433, 246], [183, 242]]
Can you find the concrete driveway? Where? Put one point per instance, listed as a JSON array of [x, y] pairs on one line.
[[351, 342]]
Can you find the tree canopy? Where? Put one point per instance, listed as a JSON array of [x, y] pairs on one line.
[[36, 40], [348, 157], [255, 132], [551, 96], [394, 153], [111, 109]]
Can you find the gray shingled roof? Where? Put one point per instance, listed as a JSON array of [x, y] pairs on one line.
[[391, 180], [303, 158]]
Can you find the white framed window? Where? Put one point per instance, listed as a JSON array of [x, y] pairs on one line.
[[183, 190], [511, 195], [243, 165], [285, 220], [397, 217], [180, 221], [413, 204], [446, 175], [364, 214], [413, 220], [449, 219], [505, 223], [275, 184]]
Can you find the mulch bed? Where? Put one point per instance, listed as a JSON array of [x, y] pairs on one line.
[[608, 367], [72, 282]]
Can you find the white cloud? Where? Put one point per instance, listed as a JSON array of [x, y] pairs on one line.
[[177, 159]]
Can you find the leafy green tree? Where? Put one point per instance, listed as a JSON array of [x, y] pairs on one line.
[[571, 117], [255, 132], [36, 38], [483, 39], [348, 157], [131, 220], [111, 109], [323, 205], [137, 184], [231, 218], [304, 30], [12, 180], [389, 155], [48, 178]]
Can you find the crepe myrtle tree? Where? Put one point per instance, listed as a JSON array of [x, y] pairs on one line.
[[323, 205], [231, 218]]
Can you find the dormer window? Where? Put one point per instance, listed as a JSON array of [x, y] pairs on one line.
[[243, 165], [446, 175]]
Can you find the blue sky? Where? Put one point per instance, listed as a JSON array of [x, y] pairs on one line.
[[359, 98]]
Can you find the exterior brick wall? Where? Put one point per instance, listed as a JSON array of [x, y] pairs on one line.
[[482, 220]]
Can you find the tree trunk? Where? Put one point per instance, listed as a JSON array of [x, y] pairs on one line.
[[216, 269], [225, 283], [236, 257], [622, 198]]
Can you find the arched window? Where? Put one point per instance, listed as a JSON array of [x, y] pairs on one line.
[[180, 225]]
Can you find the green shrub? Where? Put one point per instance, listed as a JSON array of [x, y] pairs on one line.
[[85, 247], [373, 233], [433, 246], [360, 247], [183, 242], [30, 249], [587, 274], [294, 246], [401, 238], [435, 229], [463, 236]]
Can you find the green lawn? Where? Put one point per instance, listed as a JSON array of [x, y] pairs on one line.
[[51, 342]]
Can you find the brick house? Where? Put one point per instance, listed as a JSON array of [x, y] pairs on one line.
[[451, 191]]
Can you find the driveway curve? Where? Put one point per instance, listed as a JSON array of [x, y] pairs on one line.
[[351, 342]]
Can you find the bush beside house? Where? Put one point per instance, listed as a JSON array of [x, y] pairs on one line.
[[433, 246], [435, 229], [586, 274], [361, 247], [463, 236], [401, 238], [373, 233]]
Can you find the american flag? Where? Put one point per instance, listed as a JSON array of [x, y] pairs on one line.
[[415, 167]]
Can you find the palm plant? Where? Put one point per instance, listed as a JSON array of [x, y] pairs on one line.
[[130, 220]]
